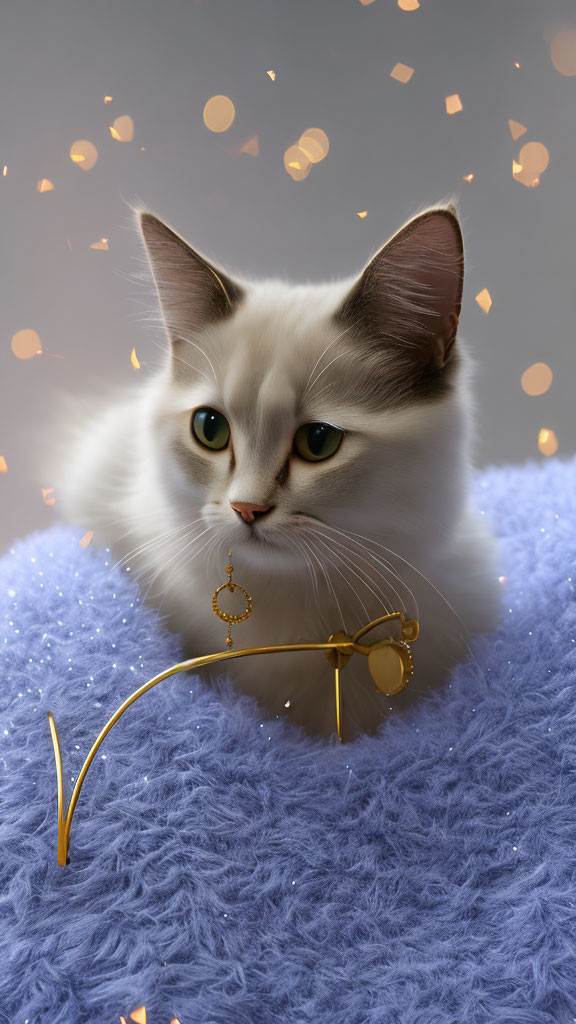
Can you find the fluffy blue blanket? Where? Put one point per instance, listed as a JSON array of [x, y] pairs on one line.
[[225, 871]]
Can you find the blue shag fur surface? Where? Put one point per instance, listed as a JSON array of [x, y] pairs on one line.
[[224, 871]]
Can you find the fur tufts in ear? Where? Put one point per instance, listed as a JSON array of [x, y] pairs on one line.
[[192, 292], [409, 295]]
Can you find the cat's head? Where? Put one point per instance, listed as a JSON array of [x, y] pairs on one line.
[[285, 409]]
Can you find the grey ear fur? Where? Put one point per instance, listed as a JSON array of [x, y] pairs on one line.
[[410, 293], [192, 292]]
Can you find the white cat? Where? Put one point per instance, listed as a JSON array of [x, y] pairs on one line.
[[322, 432]]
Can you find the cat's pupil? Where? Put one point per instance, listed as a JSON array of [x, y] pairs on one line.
[[317, 437], [210, 425]]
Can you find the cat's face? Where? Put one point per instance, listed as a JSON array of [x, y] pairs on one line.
[[287, 410]]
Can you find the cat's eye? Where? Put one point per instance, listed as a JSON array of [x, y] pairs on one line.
[[317, 441], [211, 428]]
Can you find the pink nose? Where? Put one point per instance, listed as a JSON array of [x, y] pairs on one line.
[[248, 510]]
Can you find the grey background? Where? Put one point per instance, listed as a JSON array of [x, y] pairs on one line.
[[393, 148]]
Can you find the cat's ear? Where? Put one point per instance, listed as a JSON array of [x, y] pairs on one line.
[[409, 295], [192, 292]]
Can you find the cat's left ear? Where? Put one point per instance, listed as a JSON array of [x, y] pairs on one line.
[[192, 292], [410, 294]]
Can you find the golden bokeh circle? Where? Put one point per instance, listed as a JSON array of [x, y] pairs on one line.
[[547, 441], [534, 158], [297, 163], [123, 128], [315, 144], [219, 113], [84, 154], [537, 379], [563, 52], [26, 344]]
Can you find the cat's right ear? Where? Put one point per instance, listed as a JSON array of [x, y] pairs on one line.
[[192, 293]]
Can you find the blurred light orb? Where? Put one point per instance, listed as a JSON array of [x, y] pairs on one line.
[[484, 300], [122, 128], [219, 113], [315, 144], [26, 344], [453, 104], [251, 146], [296, 163], [533, 159], [537, 379], [408, 5], [547, 442], [44, 185], [402, 73], [563, 52], [84, 154], [516, 129]]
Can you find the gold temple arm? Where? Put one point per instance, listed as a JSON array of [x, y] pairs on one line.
[[65, 819], [338, 649]]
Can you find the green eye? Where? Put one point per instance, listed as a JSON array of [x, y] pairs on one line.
[[211, 429], [317, 441]]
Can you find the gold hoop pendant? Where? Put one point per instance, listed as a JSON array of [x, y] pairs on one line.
[[228, 617], [390, 665]]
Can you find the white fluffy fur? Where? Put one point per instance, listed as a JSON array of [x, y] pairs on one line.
[[392, 529]]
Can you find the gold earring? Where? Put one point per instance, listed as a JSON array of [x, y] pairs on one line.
[[228, 617]]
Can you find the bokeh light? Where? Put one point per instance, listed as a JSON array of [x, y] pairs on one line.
[[362, 214], [402, 73], [516, 129], [315, 144], [84, 154], [563, 52], [484, 300], [3, 466], [409, 5], [102, 245], [453, 104], [26, 344], [48, 495], [134, 359], [44, 185], [251, 146], [547, 441], [297, 163], [537, 379], [122, 128], [533, 160], [219, 113], [85, 540]]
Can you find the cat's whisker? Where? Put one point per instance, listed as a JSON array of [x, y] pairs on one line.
[[175, 557], [180, 359], [346, 580], [188, 561], [425, 578], [381, 561], [338, 356], [321, 356], [329, 583], [155, 540], [380, 597], [202, 352], [312, 573]]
